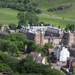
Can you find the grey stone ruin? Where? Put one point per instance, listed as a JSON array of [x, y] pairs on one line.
[[3, 26]]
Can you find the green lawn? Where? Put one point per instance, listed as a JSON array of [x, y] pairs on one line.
[[46, 4], [66, 13], [51, 20], [8, 16], [50, 3]]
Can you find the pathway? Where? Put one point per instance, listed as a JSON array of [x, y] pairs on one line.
[[58, 17]]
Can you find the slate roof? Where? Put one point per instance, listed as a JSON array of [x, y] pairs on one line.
[[73, 46], [73, 61], [68, 58], [23, 56], [35, 53], [39, 58]]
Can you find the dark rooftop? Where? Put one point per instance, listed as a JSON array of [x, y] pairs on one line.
[[35, 53], [39, 58]]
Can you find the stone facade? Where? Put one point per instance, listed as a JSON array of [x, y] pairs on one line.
[[37, 57], [48, 34], [71, 64], [69, 38]]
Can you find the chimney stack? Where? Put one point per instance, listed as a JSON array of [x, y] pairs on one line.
[[59, 27], [52, 25], [48, 24]]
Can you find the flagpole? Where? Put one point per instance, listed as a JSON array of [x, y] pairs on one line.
[[57, 24]]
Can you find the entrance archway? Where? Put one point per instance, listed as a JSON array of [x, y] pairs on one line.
[[5, 26]]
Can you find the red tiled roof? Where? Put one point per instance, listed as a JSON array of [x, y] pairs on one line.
[[51, 50]]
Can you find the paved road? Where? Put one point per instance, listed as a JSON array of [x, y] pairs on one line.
[[58, 17]]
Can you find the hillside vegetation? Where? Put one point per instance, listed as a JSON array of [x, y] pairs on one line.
[[50, 3], [8, 16], [44, 5]]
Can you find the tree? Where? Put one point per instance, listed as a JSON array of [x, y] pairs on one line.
[[12, 63], [3, 56], [48, 58], [29, 17], [46, 47], [50, 63], [39, 11], [5, 68], [31, 46], [70, 27], [49, 71], [52, 58], [12, 26], [16, 37], [30, 57], [10, 47], [22, 18], [20, 1], [25, 1], [39, 47], [32, 18], [20, 45], [27, 66]]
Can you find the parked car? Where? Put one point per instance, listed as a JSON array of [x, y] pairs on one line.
[[63, 62], [50, 15], [58, 64]]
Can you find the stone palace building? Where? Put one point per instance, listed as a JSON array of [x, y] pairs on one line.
[[48, 34]]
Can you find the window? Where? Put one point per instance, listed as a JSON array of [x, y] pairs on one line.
[[40, 60], [38, 38]]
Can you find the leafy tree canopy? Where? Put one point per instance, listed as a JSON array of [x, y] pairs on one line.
[[31, 46], [12, 26], [9, 47], [27, 66], [52, 72], [30, 57], [12, 63], [29, 17], [3, 56], [70, 27], [5, 68], [46, 47], [16, 37]]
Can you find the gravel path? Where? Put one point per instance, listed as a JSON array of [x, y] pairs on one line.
[[58, 17]]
